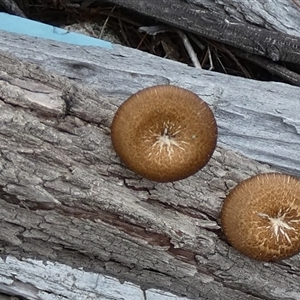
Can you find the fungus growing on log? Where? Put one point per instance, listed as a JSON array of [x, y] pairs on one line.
[[164, 133], [261, 217]]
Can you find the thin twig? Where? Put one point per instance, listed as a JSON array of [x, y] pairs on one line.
[[189, 49], [105, 23], [211, 63]]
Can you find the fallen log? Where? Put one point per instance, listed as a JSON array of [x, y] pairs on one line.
[[66, 197]]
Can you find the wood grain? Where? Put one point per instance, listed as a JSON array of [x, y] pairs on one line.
[[66, 197]]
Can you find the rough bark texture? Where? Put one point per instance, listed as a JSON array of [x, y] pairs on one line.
[[258, 119], [66, 197]]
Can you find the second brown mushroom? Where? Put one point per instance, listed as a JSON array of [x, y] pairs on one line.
[[260, 217], [164, 133]]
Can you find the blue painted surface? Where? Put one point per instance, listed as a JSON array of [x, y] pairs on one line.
[[33, 28]]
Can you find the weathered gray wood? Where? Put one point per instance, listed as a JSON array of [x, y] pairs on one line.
[[267, 28], [65, 196], [216, 24], [71, 283], [277, 15], [258, 119]]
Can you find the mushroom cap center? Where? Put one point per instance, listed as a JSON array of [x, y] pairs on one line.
[[168, 140], [281, 225]]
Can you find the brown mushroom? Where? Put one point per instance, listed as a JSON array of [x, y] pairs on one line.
[[164, 133], [261, 217]]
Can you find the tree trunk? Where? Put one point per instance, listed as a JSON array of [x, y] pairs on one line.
[[66, 197]]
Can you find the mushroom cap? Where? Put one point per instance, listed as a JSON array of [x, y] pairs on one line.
[[164, 133], [261, 217]]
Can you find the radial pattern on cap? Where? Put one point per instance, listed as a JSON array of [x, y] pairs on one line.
[[164, 133], [261, 216]]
